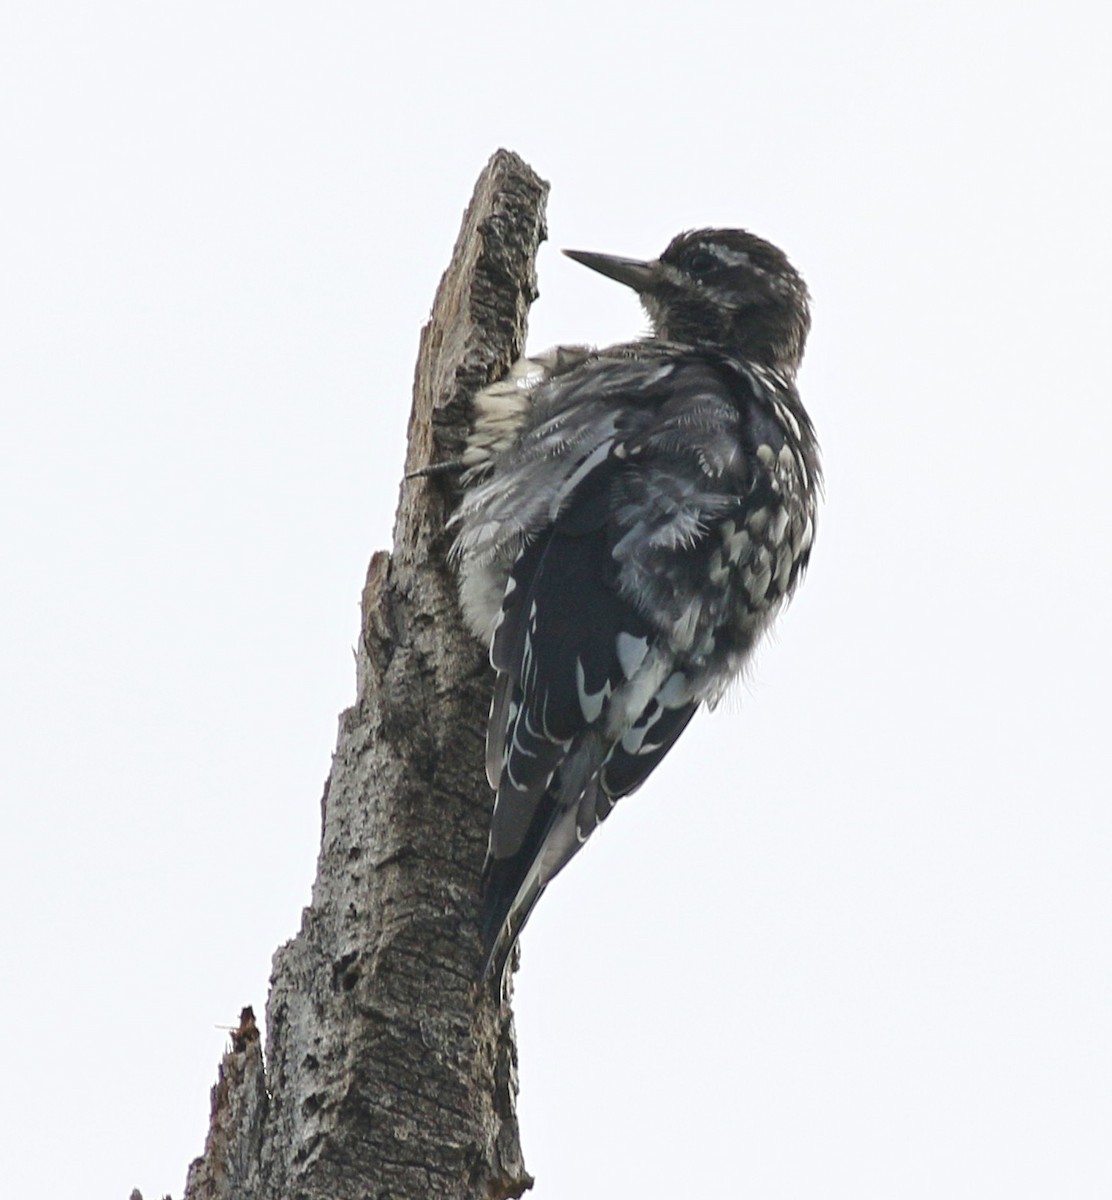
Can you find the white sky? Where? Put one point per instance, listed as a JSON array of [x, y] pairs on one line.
[[853, 939]]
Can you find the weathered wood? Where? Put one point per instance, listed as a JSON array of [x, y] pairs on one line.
[[390, 1071]]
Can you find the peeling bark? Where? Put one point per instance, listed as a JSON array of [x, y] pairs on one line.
[[390, 1071]]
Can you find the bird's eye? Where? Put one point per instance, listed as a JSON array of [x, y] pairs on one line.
[[700, 262]]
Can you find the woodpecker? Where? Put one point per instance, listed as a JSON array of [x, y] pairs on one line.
[[633, 520]]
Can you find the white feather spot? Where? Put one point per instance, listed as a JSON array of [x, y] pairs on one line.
[[757, 585], [634, 740], [590, 703], [682, 633], [784, 561], [631, 653], [787, 417], [779, 525], [757, 522], [738, 545], [675, 692]]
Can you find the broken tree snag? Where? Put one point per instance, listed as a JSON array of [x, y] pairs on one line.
[[391, 1071], [230, 1163]]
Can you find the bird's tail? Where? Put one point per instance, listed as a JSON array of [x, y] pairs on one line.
[[507, 903], [566, 814]]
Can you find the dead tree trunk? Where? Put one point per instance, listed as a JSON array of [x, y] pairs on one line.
[[389, 1071]]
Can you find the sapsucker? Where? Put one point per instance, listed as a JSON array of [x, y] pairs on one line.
[[634, 519]]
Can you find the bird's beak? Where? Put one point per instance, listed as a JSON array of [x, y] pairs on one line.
[[630, 271]]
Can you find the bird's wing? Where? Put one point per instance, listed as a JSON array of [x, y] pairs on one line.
[[569, 650], [590, 695]]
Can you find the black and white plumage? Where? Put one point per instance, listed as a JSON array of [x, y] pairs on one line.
[[636, 517]]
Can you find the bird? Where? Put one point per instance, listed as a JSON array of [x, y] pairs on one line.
[[632, 520]]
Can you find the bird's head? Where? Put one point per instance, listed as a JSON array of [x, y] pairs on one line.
[[721, 287]]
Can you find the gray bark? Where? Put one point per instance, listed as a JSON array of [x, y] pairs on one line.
[[390, 1071]]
